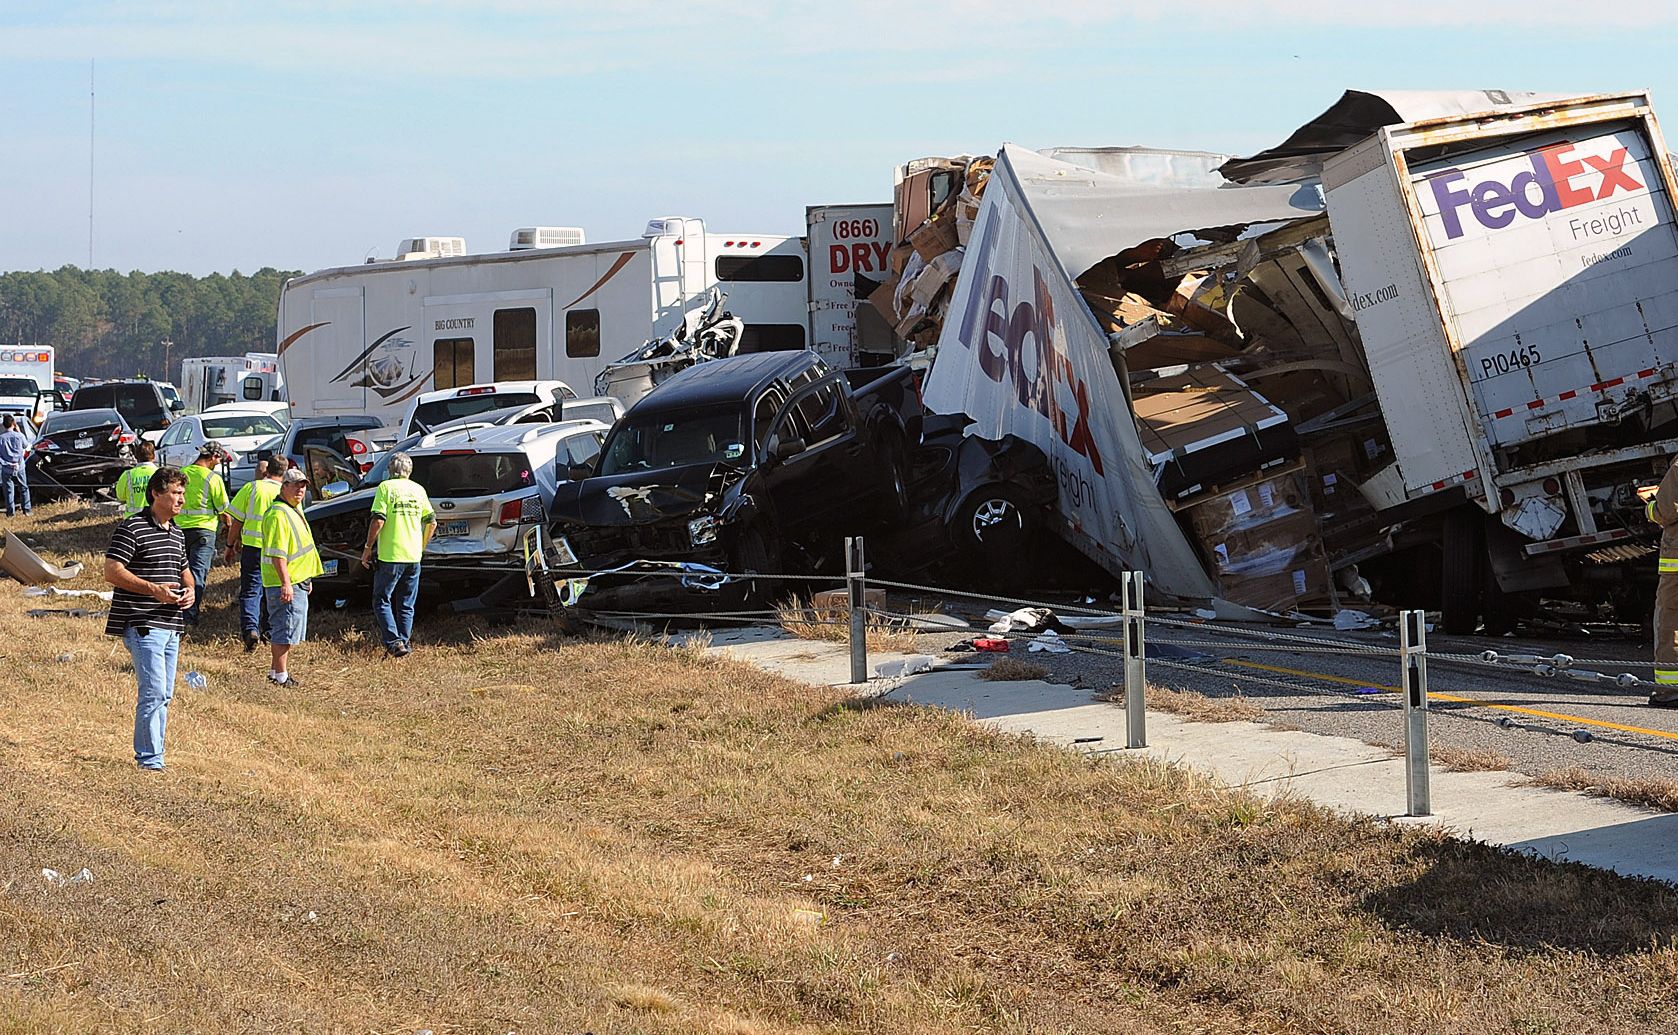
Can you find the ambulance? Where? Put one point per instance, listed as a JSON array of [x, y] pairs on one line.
[[26, 375]]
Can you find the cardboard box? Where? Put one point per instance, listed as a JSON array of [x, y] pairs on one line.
[[1302, 583], [934, 237], [1218, 517], [1265, 548], [1206, 428], [840, 599]]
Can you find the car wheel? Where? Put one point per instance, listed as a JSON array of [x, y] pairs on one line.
[[992, 520]]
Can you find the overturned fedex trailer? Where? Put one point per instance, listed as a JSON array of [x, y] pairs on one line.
[[1466, 304]]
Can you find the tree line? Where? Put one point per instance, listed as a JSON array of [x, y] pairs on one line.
[[109, 324]]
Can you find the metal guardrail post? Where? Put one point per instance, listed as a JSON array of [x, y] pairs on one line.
[[1412, 634], [859, 608], [1135, 663]]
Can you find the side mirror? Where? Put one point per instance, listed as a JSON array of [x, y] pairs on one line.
[[331, 489], [785, 448], [177, 405]]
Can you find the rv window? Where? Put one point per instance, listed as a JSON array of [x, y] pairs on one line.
[[772, 337], [515, 345], [785, 269], [253, 388], [582, 333], [451, 362]]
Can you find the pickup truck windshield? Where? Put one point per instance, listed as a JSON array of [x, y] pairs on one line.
[[661, 440]]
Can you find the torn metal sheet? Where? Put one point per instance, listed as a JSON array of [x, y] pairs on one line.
[[26, 566], [1356, 115], [1088, 216]]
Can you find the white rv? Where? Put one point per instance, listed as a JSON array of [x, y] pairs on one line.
[[367, 339], [208, 381]]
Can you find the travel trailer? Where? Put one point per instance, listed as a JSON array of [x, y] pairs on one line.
[[367, 339]]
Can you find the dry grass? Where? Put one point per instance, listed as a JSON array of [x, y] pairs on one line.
[[1195, 706], [809, 622], [1006, 669], [1467, 760], [509, 832], [1653, 792]]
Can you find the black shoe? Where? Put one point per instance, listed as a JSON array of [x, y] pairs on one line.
[[404, 649], [1657, 701], [290, 683], [251, 640]]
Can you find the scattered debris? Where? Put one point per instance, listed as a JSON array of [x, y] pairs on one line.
[[908, 666], [26, 566], [1048, 643], [83, 876], [64, 612], [54, 591]]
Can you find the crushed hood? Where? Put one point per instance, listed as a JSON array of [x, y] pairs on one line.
[[640, 497]]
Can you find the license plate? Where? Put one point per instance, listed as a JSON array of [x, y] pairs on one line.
[[85, 442], [329, 567], [451, 528]]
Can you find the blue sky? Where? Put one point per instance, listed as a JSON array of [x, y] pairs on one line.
[[300, 134]]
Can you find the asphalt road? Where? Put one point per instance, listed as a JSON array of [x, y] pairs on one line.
[[1350, 689]]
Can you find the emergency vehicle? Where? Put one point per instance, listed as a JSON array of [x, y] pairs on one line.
[[26, 378]]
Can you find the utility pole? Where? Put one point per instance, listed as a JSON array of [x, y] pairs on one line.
[[167, 345]]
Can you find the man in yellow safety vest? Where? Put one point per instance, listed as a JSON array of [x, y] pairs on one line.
[[1663, 510], [289, 561], [244, 543], [206, 498], [130, 487]]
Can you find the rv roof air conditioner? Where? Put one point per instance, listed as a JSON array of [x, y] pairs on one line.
[[430, 248], [526, 238], [673, 226]]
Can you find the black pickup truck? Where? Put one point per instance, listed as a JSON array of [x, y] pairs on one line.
[[756, 463]]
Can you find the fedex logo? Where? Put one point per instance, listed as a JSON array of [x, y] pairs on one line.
[[1015, 344], [1544, 189]]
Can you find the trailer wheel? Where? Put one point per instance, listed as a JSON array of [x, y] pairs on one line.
[[1460, 582]]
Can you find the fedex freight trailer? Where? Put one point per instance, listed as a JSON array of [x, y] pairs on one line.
[[367, 339], [1514, 281]]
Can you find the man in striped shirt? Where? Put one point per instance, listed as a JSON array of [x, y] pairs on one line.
[[146, 567]]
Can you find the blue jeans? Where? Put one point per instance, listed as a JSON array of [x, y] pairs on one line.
[[288, 623], [200, 553], [17, 481], [253, 605], [154, 652], [395, 588]]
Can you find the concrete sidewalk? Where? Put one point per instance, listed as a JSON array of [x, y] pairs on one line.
[[1343, 774]]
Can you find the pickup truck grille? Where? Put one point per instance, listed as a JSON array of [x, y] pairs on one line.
[[616, 544]]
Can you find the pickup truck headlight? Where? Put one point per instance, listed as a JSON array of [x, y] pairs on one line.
[[703, 530], [563, 551]]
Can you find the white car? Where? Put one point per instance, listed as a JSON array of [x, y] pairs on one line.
[[434, 408], [280, 411], [237, 430]]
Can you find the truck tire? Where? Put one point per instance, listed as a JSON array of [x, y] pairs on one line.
[[752, 555], [1460, 581], [896, 458]]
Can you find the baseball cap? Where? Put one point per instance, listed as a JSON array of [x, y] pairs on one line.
[[210, 450], [293, 475]]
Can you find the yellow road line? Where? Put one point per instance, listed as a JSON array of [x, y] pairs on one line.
[[1435, 695]]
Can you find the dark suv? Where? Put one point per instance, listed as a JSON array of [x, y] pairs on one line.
[[144, 404]]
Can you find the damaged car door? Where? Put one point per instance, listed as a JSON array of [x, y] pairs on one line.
[[815, 473]]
